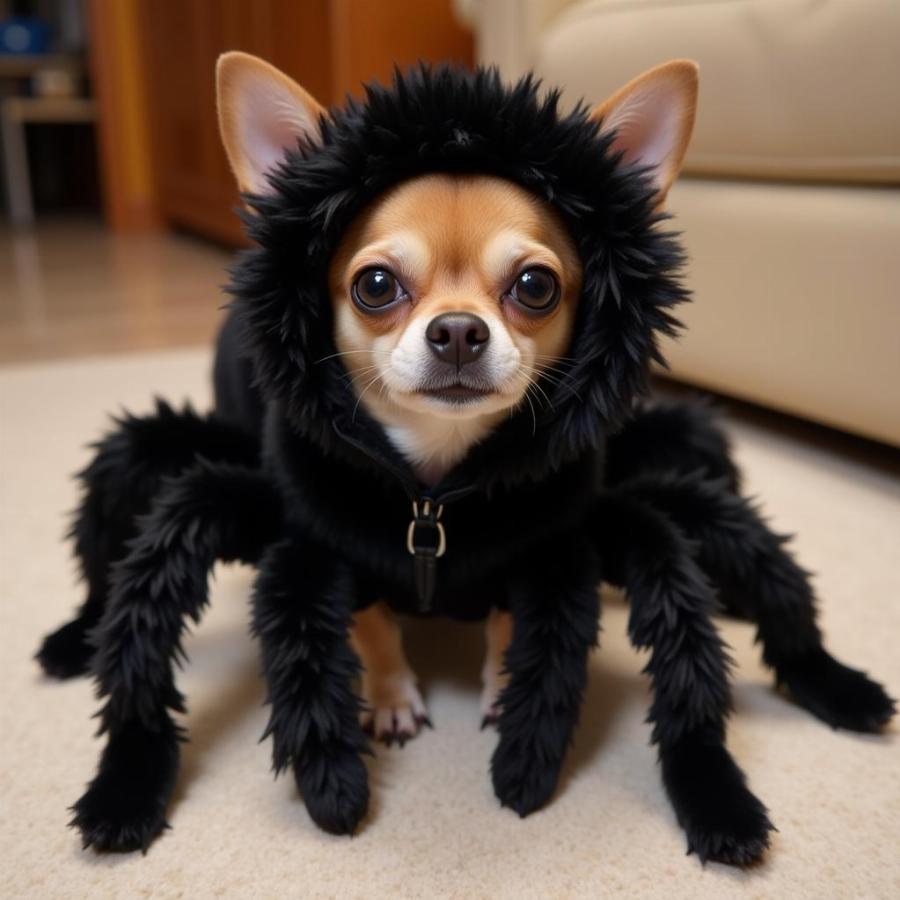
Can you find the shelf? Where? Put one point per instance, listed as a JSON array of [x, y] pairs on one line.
[[24, 65], [49, 109]]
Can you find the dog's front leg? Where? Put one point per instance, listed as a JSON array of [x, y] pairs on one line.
[[394, 707], [494, 674], [302, 608], [554, 608]]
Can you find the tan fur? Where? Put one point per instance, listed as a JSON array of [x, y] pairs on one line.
[[679, 77], [456, 243], [498, 632], [394, 705], [244, 81]]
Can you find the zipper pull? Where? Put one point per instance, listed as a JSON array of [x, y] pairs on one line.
[[426, 542]]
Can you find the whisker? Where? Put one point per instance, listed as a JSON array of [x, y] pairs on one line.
[[559, 382], [563, 372], [342, 353], [533, 414], [530, 383], [358, 372], [359, 398], [537, 387], [535, 374], [561, 375]]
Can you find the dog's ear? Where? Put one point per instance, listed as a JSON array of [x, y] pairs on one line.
[[262, 114], [652, 118]]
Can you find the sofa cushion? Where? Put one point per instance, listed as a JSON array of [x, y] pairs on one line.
[[795, 89], [795, 300]]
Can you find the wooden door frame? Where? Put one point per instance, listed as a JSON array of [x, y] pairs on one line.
[[128, 174], [130, 197]]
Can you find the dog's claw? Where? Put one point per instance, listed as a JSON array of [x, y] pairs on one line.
[[396, 716], [490, 715]]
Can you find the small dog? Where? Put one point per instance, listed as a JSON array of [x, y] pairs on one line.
[[451, 295], [426, 402]]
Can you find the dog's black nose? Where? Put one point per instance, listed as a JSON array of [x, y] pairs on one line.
[[457, 338]]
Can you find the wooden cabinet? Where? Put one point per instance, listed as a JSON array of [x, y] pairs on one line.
[[329, 46]]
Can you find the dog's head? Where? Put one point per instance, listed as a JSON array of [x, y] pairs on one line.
[[451, 294], [454, 270]]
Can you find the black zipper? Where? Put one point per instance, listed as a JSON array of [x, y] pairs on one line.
[[426, 537]]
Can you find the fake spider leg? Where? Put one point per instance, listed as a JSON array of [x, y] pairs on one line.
[[213, 511], [670, 436], [758, 578], [118, 485], [302, 608], [554, 608], [671, 615]]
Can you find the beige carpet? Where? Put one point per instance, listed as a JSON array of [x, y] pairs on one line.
[[435, 828]]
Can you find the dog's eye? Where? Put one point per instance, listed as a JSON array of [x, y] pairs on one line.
[[536, 289], [376, 289]]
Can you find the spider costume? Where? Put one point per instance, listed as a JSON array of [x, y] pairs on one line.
[[291, 475]]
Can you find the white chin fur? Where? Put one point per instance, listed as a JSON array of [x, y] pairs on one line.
[[475, 408], [432, 434]]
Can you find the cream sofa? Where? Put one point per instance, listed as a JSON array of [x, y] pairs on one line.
[[791, 204]]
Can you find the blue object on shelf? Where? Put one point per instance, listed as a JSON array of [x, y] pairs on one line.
[[24, 35]]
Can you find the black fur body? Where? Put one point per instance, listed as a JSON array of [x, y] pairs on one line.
[[291, 475]]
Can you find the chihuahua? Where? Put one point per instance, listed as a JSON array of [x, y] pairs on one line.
[[427, 402], [452, 295]]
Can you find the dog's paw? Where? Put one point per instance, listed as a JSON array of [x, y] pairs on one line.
[[490, 715], [838, 695], [522, 779], [66, 653], [724, 822], [491, 708], [124, 807], [335, 789], [394, 709]]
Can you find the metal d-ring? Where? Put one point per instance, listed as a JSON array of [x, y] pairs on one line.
[[426, 519]]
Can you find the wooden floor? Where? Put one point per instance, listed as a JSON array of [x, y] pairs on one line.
[[71, 287]]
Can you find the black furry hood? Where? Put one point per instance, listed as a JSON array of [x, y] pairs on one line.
[[455, 121]]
